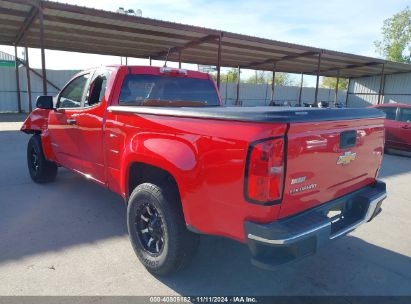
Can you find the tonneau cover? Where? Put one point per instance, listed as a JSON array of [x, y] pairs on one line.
[[256, 114]]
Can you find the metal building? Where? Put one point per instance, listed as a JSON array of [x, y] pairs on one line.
[[6, 60], [364, 91], [30, 80]]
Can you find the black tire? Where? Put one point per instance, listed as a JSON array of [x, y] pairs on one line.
[[41, 170], [173, 246]]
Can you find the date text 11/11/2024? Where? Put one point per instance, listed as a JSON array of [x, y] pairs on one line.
[[203, 299]]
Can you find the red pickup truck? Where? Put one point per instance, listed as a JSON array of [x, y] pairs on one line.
[[285, 181]]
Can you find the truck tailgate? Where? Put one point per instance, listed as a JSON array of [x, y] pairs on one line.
[[328, 159]]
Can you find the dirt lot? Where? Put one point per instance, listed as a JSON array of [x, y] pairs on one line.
[[70, 238]]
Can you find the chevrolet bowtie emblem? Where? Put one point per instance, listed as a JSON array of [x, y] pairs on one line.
[[346, 158]]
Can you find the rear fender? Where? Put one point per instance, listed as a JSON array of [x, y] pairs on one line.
[[175, 155]]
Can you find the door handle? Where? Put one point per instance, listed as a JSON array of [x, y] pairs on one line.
[[405, 127], [71, 121]]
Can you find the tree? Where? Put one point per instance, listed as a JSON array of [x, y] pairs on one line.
[[260, 77], [230, 76], [331, 82], [281, 79], [396, 42], [284, 79]]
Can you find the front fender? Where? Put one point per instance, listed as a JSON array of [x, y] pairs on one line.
[[37, 122]]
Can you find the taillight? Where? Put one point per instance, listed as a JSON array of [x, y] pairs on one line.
[[265, 171]]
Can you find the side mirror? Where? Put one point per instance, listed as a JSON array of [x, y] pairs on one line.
[[45, 102]]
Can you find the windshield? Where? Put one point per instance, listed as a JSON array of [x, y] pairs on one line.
[[155, 90]]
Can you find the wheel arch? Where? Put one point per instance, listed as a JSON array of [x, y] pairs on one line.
[[142, 172]]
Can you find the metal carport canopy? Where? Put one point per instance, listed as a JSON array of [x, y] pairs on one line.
[[80, 29]]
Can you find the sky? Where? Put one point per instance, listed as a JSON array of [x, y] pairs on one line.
[[348, 26]]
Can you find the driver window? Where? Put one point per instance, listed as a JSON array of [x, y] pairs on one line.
[[72, 94], [390, 111], [405, 115]]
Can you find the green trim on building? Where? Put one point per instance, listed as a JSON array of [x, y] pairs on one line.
[[7, 63]]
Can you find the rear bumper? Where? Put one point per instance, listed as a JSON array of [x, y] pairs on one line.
[[301, 235]]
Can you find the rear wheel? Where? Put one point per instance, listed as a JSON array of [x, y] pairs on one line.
[[157, 229], [41, 170]]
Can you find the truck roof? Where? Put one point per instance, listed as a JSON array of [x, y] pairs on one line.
[[155, 70]]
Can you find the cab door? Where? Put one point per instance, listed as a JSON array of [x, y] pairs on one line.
[[90, 121], [403, 132], [62, 125], [391, 125]]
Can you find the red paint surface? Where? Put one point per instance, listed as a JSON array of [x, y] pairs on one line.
[[397, 133], [313, 150]]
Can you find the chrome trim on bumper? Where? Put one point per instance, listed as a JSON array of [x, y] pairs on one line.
[[289, 239], [368, 215]]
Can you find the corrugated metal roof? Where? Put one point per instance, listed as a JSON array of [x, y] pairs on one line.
[[81, 29]]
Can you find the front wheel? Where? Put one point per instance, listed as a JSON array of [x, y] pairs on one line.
[[41, 170], [157, 229]]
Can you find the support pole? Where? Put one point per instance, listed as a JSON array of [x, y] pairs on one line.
[[226, 86], [149, 58], [17, 80], [381, 90], [318, 78], [301, 89], [273, 85], [179, 60], [126, 60], [28, 79], [336, 88], [43, 56], [41, 77], [219, 60], [237, 102], [348, 92]]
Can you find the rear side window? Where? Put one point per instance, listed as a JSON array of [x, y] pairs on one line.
[[97, 89], [156, 90], [390, 111], [405, 115]]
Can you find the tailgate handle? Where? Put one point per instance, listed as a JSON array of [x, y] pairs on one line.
[[348, 139]]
